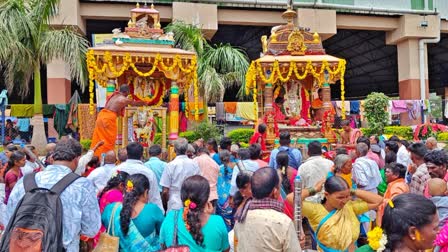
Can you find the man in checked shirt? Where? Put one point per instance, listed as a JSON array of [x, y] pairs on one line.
[[420, 174]]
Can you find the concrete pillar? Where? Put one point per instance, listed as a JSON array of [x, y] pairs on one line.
[[408, 75], [202, 15], [406, 36], [69, 14], [318, 20], [58, 82]]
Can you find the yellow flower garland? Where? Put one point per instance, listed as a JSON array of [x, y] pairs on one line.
[[296, 70], [127, 62]]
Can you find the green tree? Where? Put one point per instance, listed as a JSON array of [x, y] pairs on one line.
[[375, 108], [28, 41], [219, 66]]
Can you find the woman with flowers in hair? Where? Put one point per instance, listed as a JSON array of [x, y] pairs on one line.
[[113, 191], [335, 220], [136, 222], [410, 223], [197, 228]]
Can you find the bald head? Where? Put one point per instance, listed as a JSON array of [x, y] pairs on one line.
[[110, 157], [437, 187], [431, 143], [122, 155], [50, 147], [264, 181]]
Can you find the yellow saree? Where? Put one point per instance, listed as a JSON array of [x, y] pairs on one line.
[[337, 230]]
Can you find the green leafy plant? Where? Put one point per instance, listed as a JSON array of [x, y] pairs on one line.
[[366, 131], [191, 136], [443, 136], [85, 143], [207, 130], [375, 108], [244, 145], [403, 132], [158, 138], [240, 135]]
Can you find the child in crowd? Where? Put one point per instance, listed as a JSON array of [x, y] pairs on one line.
[[438, 191]]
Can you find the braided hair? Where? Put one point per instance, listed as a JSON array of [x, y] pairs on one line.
[[194, 193], [136, 186], [282, 164], [224, 156], [115, 182]]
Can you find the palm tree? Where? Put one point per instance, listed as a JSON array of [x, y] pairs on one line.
[[219, 67], [27, 41]]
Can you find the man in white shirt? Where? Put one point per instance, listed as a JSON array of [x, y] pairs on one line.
[[403, 155], [85, 159], [315, 168], [365, 173], [175, 173], [101, 175], [134, 165]]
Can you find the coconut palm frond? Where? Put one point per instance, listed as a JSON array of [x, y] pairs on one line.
[[188, 37], [211, 82], [68, 45], [227, 59], [15, 24], [241, 95], [16, 57], [41, 11], [231, 79]]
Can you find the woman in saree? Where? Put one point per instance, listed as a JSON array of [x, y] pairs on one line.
[[136, 222], [113, 191], [287, 175], [335, 220], [224, 206], [197, 228], [343, 168]]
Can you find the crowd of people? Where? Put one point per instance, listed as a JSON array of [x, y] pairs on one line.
[[372, 195]]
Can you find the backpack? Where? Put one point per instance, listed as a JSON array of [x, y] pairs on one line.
[[37, 221], [292, 160]]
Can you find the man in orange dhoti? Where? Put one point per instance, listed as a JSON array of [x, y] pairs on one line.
[[318, 106], [106, 122]]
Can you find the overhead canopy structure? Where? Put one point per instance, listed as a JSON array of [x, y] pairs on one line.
[[294, 65], [145, 58]]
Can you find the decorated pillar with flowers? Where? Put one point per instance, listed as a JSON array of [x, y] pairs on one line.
[[174, 111], [268, 111]]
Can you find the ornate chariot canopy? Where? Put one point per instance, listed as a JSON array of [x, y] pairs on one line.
[[293, 53], [142, 51]]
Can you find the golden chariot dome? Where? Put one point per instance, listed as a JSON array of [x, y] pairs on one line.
[[288, 39]]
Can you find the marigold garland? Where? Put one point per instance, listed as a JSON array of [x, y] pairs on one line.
[[186, 66], [295, 70]]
